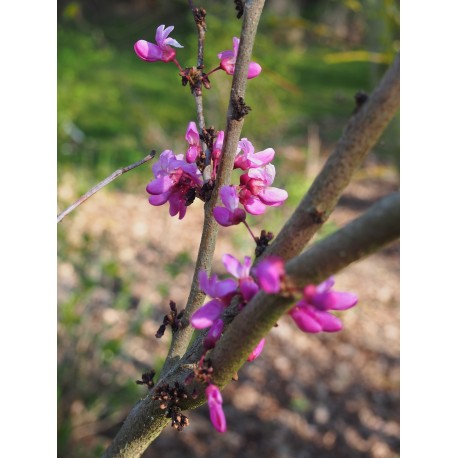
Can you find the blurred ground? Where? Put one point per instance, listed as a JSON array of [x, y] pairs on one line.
[[121, 261]]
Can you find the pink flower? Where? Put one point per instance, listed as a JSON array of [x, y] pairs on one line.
[[192, 137], [215, 406], [230, 214], [247, 285], [257, 351], [162, 50], [269, 272], [255, 191], [228, 58], [214, 333], [249, 159], [311, 313], [221, 291], [216, 152], [175, 182]]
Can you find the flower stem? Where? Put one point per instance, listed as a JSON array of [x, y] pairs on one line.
[[250, 231]]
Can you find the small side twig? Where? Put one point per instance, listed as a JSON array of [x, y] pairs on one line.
[[103, 183]]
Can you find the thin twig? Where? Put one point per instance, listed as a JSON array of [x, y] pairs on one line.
[[103, 183]]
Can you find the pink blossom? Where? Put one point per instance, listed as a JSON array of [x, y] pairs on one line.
[[228, 59], [192, 137], [175, 181], [215, 406], [311, 312], [246, 157], [221, 291], [269, 272], [214, 333], [162, 50], [216, 152], [257, 351], [247, 285], [255, 191], [230, 214]]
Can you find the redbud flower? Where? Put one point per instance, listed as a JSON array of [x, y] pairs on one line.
[[192, 137], [229, 57], [247, 285], [216, 151], [311, 313], [162, 50], [230, 214], [221, 291], [246, 157], [257, 351], [215, 406], [255, 191], [175, 181], [269, 272], [214, 333]]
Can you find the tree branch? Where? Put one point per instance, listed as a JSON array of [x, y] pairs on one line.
[[361, 134], [182, 337], [363, 236], [103, 183]]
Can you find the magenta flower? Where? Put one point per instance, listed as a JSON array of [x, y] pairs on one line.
[[175, 181], [257, 351], [162, 50], [246, 157], [248, 287], [311, 313], [270, 272], [228, 58], [221, 291], [255, 191], [216, 152], [230, 214], [192, 137], [215, 406], [214, 333]]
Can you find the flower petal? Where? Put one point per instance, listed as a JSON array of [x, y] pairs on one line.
[[225, 287], [254, 69], [160, 185], [305, 319], [254, 206], [343, 301], [148, 51], [273, 196], [159, 199], [329, 322], [232, 265], [223, 216], [257, 351], [207, 314]]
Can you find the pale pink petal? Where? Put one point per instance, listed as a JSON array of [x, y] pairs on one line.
[[272, 196], [207, 314], [192, 153], [254, 206], [263, 157], [232, 265], [246, 146], [257, 351], [235, 44], [343, 301], [229, 197], [192, 134]]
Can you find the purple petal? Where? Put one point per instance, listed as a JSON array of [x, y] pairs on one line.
[[254, 70], [192, 153], [232, 265], [223, 216], [246, 146], [329, 322], [326, 285], [273, 196], [248, 288], [305, 319], [343, 301], [159, 199], [215, 406], [214, 334], [269, 272], [203, 281], [225, 287], [160, 185], [226, 55], [192, 135], [207, 314], [229, 197], [257, 351], [147, 51]]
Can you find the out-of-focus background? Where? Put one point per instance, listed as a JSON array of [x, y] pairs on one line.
[[121, 260]]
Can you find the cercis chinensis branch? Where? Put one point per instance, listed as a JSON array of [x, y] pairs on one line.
[[243, 307]]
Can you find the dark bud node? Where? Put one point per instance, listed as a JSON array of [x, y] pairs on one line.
[[262, 242], [147, 379], [240, 109], [239, 8]]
